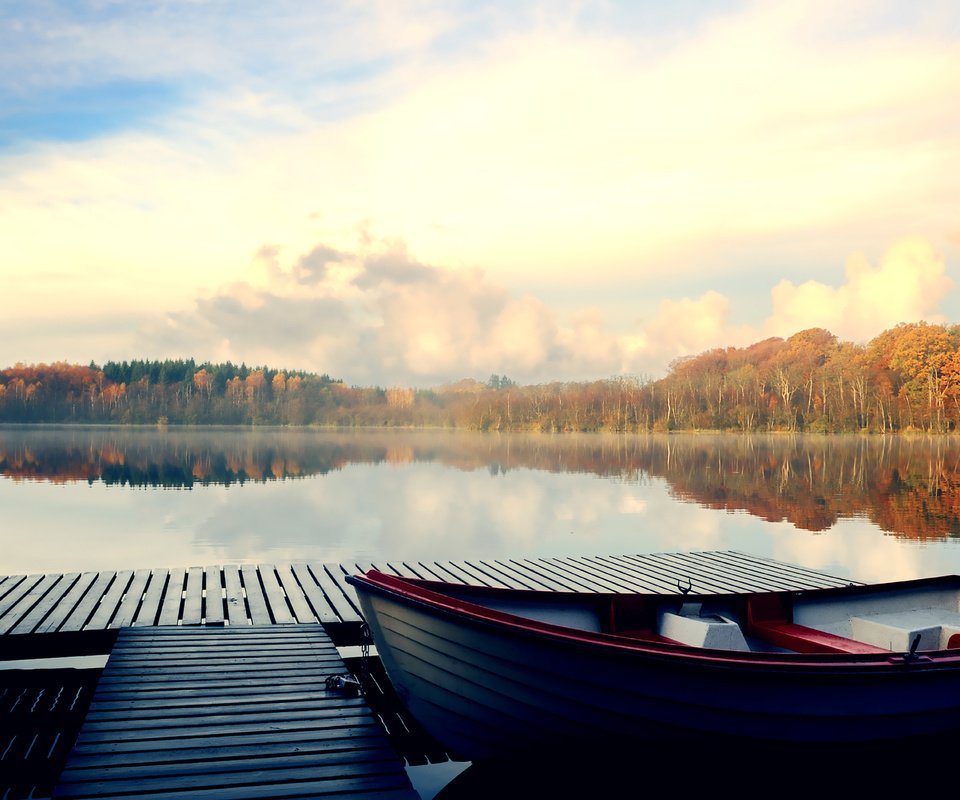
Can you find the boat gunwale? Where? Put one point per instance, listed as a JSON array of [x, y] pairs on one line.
[[430, 595]]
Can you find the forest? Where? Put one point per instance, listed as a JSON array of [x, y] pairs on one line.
[[905, 379]]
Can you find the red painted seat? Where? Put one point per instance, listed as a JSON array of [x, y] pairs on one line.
[[767, 619]]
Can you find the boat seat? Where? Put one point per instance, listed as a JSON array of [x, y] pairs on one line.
[[802, 639], [897, 630], [767, 619], [714, 632]]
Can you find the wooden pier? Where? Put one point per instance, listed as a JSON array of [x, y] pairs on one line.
[[238, 713], [304, 593]]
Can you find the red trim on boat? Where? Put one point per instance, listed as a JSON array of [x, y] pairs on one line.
[[416, 591]]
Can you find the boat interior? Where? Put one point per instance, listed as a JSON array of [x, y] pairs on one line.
[[908, 617]]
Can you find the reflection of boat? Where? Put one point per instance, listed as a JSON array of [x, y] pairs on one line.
[[491, 672]]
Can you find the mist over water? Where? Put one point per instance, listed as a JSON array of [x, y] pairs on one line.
[[877, 508]]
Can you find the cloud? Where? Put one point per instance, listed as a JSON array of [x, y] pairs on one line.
[[378, 315], [908, 284]]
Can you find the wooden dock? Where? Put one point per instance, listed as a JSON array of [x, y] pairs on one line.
[[230, 712], [265, 594]]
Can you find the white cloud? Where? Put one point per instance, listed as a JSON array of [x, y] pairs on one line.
[[908, 284]]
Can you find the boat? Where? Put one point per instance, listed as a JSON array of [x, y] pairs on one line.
[[492, 673]]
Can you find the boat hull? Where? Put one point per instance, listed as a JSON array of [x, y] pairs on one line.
[[488, 688]]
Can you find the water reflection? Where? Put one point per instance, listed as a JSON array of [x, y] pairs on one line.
[[906, 486]]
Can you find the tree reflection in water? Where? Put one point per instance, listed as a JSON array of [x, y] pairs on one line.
[[908, 486]]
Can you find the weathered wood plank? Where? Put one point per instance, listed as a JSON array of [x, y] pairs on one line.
[[295, 594], [685, 571], [7, 582], [108, 604], [298, 683], [276, 600], [538, 578], [630, 573], [66, 604], [130, 602], [387, 787], [356, 738], [477, 575], [149, 611], [201, 700], [345, 608], [449, 571], [643, 573], [172, 597], [138, 717], [256, 600], [493, 575], [402, 569], [88, 603], [241, 776], [622, 580], [163, 644], [193, 597], [212, 596], [558, 573], [19, 591], [26, 614], [744, 573], [235, 604], [244, 766], [794, 576]]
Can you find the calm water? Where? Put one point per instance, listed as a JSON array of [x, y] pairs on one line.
[[98, 498], [80, 498]]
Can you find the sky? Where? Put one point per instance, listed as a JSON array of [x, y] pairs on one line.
[[412, 193]]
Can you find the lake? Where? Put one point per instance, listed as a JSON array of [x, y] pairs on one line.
[[868, 508], [92, 498]]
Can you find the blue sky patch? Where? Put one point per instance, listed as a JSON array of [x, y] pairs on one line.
[[83, 113]]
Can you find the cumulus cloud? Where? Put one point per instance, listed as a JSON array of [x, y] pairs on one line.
[[378, 315], [907, 284]]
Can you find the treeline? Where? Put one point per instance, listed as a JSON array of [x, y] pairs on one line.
[[172, 391], [907, 378]]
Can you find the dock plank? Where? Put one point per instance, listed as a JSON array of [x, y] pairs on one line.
[[276, 600], [172, 597], [619, 580], [193, 597], [295, 595], [67, 603], [149, 611], [108, 604], [87, 605], [256, 600], [14, 596], [339, 593], [321, 605], [36, 604], [235, 604], [212, 596], [130, 602]]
